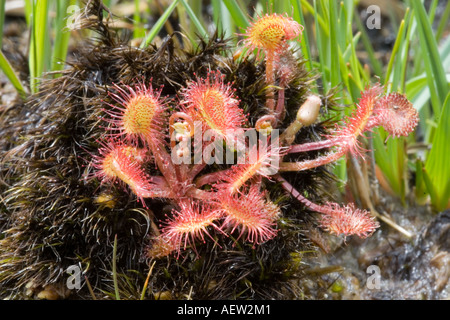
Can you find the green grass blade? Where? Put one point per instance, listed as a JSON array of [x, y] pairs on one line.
[[313, 10], [239, 16], [405, 53], [438, 160], [324, 12], [197, 9], [443, 24], [416, 88], [374, 62], [433, 64], [218, 15], [432, 10], [322, 48], [159, 24], [304, 41], [395, 49], [41, 34], [224, 22], [281, 6], [420, 188], [350, 78], [2, 20], [39, 42], [349, 6], [400, 60], [144, 289], [29, 12], [187, 27], [343, 31], [355, 64], [383, 156], [195, 20], [334, 41], [397, 158], [138, 30], [5, 66], [114, 269], [444, 52], [62, 37], [345, 72], [430, 187]]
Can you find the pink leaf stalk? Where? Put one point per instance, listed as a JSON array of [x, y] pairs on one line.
[[270, 34], [260, 161], [340, 220], [394, 112]]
